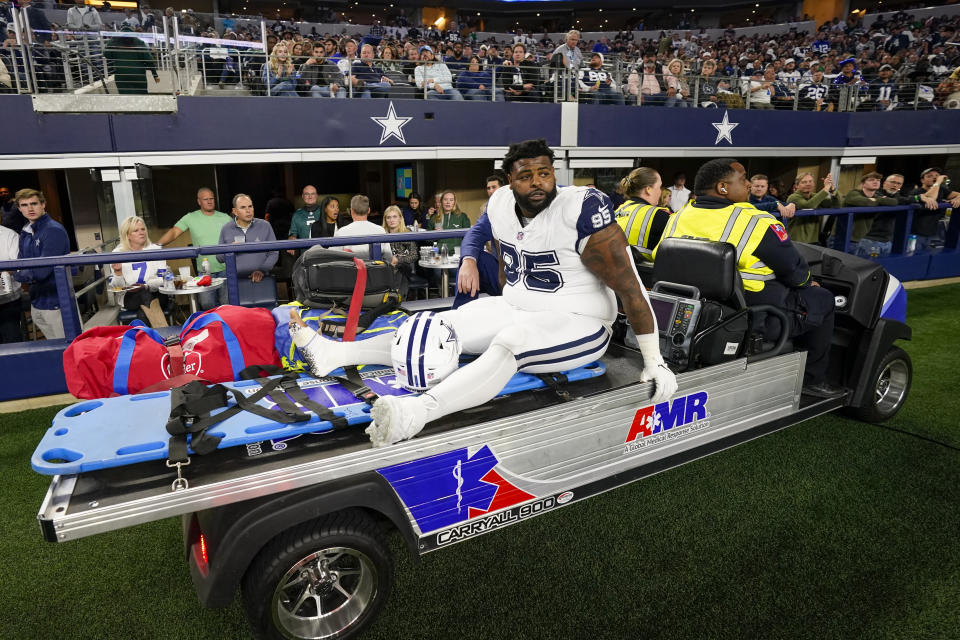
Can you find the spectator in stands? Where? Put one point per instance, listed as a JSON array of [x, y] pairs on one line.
[[807, 228], [305, 216], [759, 89], [322, 78], [789, 74], [38, 21], [648, 83], [279, 73], [347, 56], [868, 195], [597, 85], [146, 274], [449, 216], [640, 216], [519, 78], [475, 84], [10, 290], [245, 228], [935, 186], [327, 224], [369, 80], [883, 92], [707, 91], [678, 90], [601, 47], [878, 240], [6, 82], [405, 254], [146, 17], [570, 50], [10, 216], [435, 77], [816, 95], [413, 215], [494, 182], [42, 236], [204, 226], [763, 200], [129, 60], [83, 17], [679, 194], [492, 59], [457, 62], [359, 210]]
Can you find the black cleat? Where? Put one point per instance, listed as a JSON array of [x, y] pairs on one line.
[[823, 390]]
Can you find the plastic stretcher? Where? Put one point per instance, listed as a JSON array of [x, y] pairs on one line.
[[113, 432]]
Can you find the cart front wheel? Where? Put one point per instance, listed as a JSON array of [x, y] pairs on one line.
[[328, 578], [889, 386]]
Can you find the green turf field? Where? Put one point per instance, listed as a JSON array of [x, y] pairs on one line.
[[829, 529]]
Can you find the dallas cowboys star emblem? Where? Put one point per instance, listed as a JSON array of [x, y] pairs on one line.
[[724, 128], [392, 125]]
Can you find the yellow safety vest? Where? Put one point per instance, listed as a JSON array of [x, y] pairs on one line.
[[636, 219], [740, 224]]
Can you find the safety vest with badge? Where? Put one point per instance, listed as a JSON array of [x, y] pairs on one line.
[[740, 224], [636, 220]]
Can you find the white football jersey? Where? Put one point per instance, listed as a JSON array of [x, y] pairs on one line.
[[542, 259]]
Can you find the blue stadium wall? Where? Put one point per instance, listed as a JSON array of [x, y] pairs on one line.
[[209, 123]]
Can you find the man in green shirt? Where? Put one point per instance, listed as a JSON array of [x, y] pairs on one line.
[[868, 195], [204, 226], [304, 217]]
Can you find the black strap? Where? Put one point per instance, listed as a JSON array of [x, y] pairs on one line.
[[288, 386], [353, 382], [556, 381]]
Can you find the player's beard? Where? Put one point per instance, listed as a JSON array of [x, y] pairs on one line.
[[529, 207]]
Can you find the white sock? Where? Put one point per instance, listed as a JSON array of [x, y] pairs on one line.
[[323, 355]]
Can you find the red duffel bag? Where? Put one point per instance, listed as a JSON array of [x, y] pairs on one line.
[[218, 344], [107, 361]]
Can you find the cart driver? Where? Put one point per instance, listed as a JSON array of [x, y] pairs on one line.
[[562, 258], [772, 270]]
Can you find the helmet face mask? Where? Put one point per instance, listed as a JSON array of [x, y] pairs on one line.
[[426, 350]]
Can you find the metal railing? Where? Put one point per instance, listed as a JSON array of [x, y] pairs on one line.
[[63, 265], [134, 63]]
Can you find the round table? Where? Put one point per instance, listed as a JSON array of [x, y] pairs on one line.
[[192, 292], [445, 267]]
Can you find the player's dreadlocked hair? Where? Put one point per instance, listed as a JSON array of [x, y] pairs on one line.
[[710, 174], [526, 149]]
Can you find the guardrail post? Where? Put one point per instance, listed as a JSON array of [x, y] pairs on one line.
[[233, 289], [69, 313]]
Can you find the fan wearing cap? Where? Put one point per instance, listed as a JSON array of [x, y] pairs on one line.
[[935, 186], [883, 91], [435, 77], [789, 74], [597, 84]]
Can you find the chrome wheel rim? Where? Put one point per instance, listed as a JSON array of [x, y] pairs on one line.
[[891, 386], [324, 593]]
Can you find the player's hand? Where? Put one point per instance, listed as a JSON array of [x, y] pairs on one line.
[[664, 381], [256, 276], [468, 277], [292, 252]]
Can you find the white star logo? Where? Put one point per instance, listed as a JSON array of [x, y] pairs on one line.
[[724, 128], [392, 125]]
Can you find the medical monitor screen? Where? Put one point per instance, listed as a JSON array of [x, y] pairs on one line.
[[663, 310]]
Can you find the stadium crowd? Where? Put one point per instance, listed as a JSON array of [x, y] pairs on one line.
[[895, 63]]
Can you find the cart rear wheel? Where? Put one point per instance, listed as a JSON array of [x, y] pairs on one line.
[[888, 387], [328, 578]]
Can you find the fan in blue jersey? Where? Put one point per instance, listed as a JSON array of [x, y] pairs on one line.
[[562, 258]]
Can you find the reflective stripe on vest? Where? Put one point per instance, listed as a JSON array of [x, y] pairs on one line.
[[635, 219], [740, 224]]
